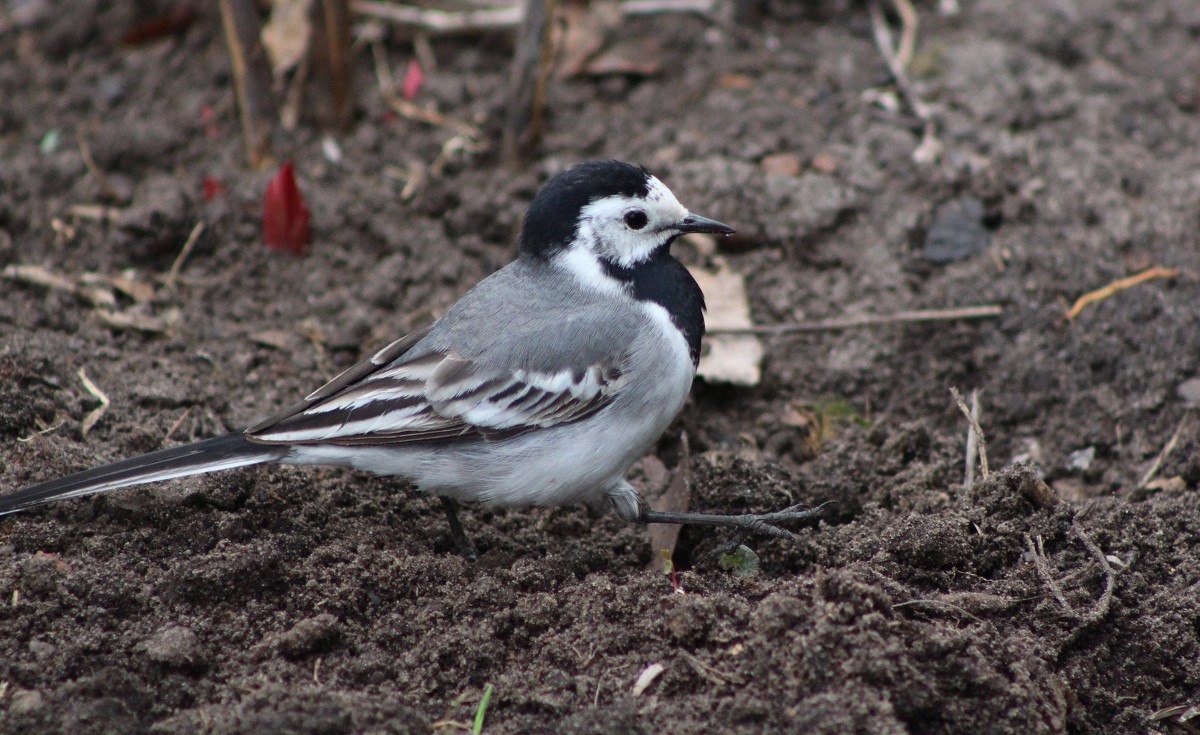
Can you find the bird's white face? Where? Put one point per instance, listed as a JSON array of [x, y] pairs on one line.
[[628, 230]]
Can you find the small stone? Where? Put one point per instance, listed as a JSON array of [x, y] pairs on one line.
[[825, 163], [1189, 391], [42, 650], [310, 635], [1081, 459], [24, 701], [957, 231], [175, 646], [781, 164]]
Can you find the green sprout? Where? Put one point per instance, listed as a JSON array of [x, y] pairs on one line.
[[481, 713]]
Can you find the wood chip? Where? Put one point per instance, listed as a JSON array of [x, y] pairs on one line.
[[781, 164], [676, 499], [825, 163], [139, 321], [274, 338], [731, 358], [36, 275], [287, 34], [646, 678], [96, 413]]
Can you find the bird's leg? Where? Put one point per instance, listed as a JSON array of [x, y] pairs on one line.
[[754, 523], [466, 549], [630, 506]]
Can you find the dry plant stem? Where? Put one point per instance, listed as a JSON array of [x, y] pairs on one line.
[[1167, 449], [939, 603], [677, 497], [251, 78], [96, 212], [442, 22], [1099, 612], [897, 60], [330, 54], [892, 56], [96, 413], [85, 152], [962, 406], [1119, 285], [972, 441], [406, 109], [172, 277], [1043, 568], [527, 81], [175, 427], [870, 320]]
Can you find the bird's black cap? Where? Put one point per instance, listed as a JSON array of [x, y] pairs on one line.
[[552, 219]]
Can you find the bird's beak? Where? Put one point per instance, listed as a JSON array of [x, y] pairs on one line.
[[696, 223]]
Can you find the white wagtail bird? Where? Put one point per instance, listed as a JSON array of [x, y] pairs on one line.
[[541, 386]]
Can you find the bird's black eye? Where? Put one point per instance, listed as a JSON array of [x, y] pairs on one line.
[[635, 219]]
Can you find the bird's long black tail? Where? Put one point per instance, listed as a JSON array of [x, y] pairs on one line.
[[210, 455]]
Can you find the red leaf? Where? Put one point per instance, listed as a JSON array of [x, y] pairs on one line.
[[171, 24], [413, 79], [213, 188], [286, 218]]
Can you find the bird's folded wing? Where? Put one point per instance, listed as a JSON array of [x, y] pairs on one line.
[[439, 396]]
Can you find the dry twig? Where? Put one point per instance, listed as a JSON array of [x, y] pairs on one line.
[[1038, 554], [1166, 451], [36, 275], [85, 151], [1119, 285], [977, 430], [708, 672], [96, 212], [175, 426], [172, 277], [870, 320], [437, 21], [1100, 611], [897, 58], [482, 20], [251, 77], [96, 413], [972, 440], [330, 54], [529, 77]]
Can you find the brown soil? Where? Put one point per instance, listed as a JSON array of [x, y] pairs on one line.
[[279, 600]]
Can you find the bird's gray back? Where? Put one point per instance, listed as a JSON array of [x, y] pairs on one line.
[[526, 320]]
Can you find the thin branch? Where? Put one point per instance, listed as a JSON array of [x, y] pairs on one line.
[[897, 59], [1167, 449], [1119, 285], [972, 450], [870, 320], [188, 245], [96, 413], [892, 56], [482, 20], [102, 181], [971, 419], [440, 21], [1110, 575], [1038, 554], [251, 77]]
